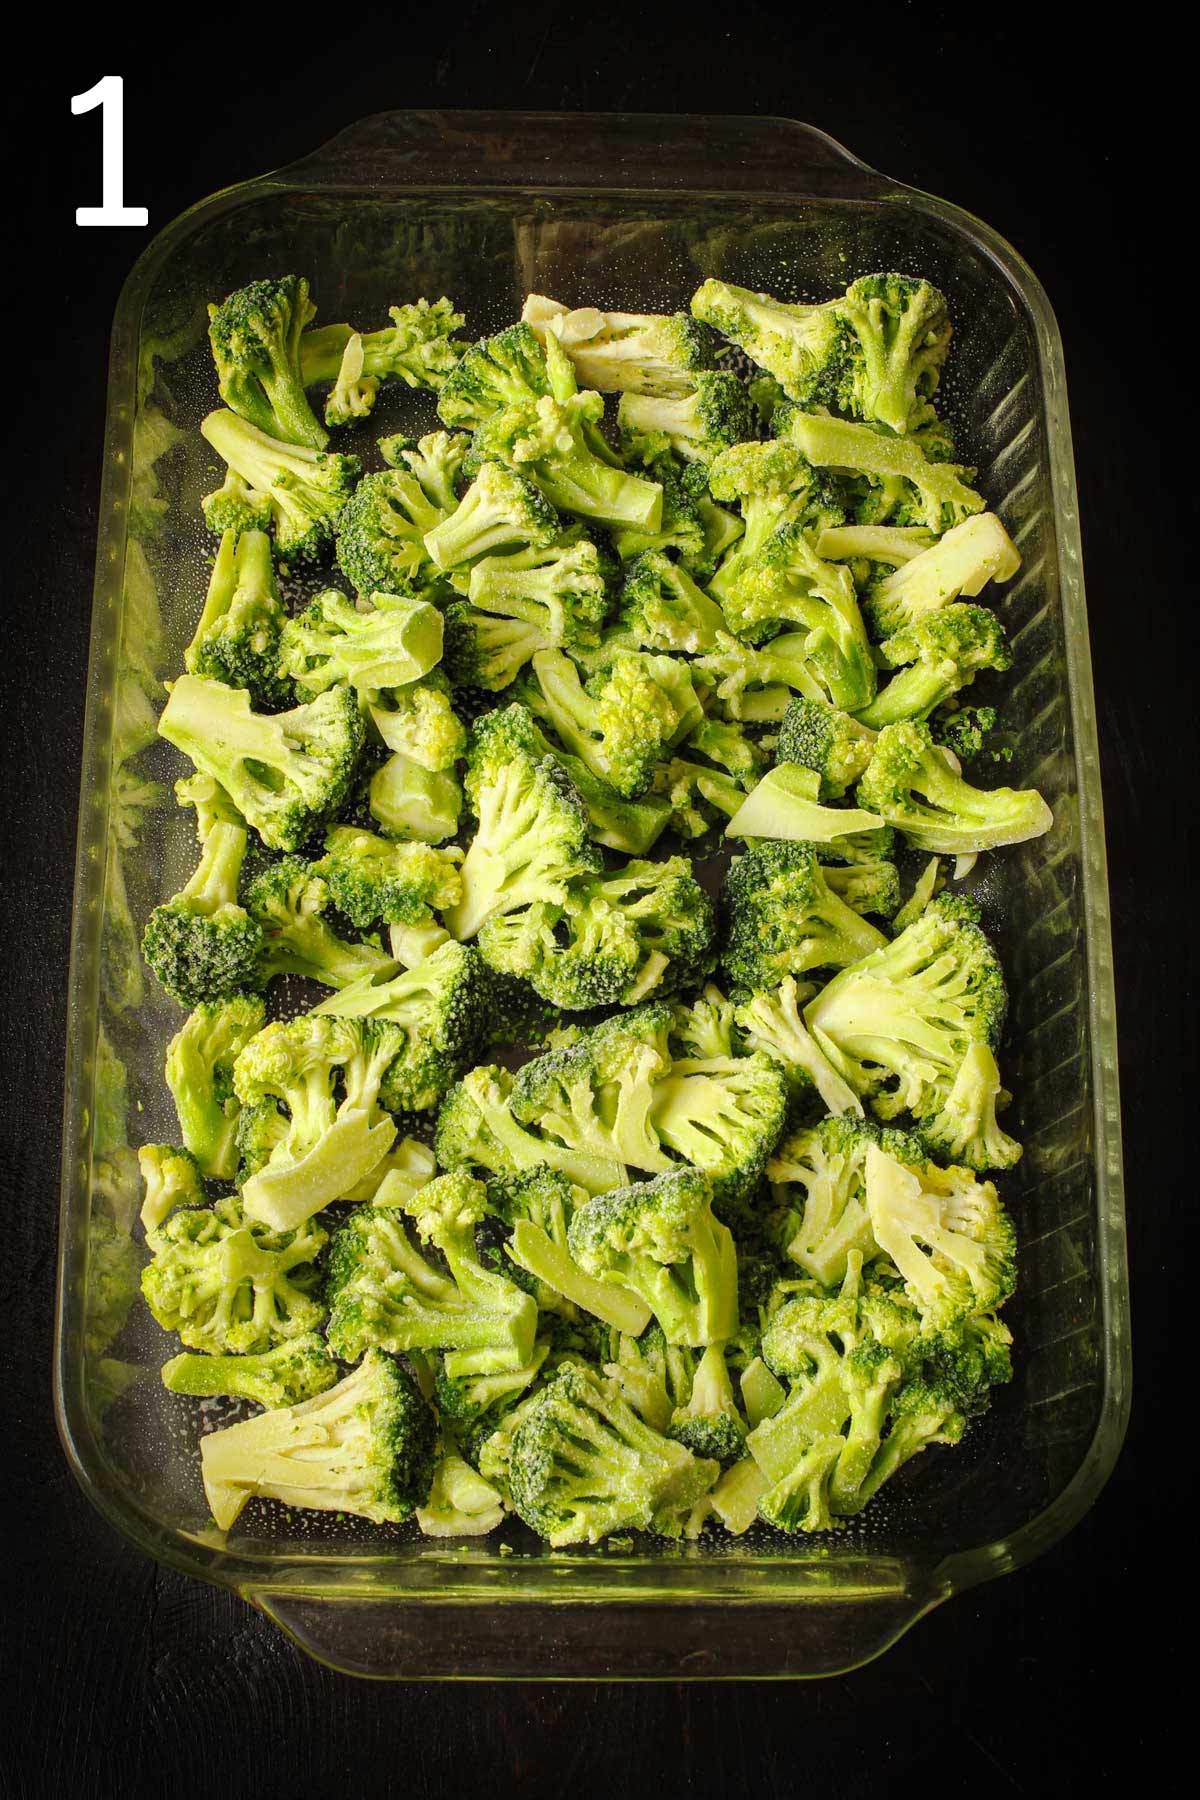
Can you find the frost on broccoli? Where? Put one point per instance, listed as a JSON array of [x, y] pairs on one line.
[[230, 1284], [783, 918], [301, 491], [627, 716], [433, 1009], [697, 425], [539, 599], [772, 1022], [937, 656], [417, 348], [172, 1178], [381, 531], [333, 642], [627, 353], [944, 1229], [288, 900], [818, 1178], [911, 783], [476, 1129], [255, 335], [888, 480], [557, 445], [203, 944], [375, 880], [500, 511], [418, 721], [297, 1369], [662, 608], [237, 637], [199, 1073], [823, 738], [959, 564], [408, 800], [494, 373], [538, 1207]]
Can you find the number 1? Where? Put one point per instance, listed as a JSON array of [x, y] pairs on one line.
[[109, 95]]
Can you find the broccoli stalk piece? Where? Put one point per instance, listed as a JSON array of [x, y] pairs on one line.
[[784, 805], [818, 1178], [172, 1178], [696, 425], [625, 353], [771, 1022], [541, 599], [372, 879], [662, 1242], [419, 721], [944, 1229], [911, 783], [298, 1369], [556, 444], [237, 637], [710, 1424], [367, 1447], [963, 562], [287, 900], [495, 373], [460, 1502], [213, 805], [965, 1127], [500, 510], [285, 772], [199, 1073], [661, 608], [631, 712], [415, 348], [582, 1465], [434, 1008], [255, 335], [202, 944], [476, 1129], [944, 651], [304, 489], [823, 738], [332, 642], [411, 801], [782, 918], [322, 1146], [227, 1283], [353, 393], [531, 840], [538, 1208], [898, 1025], [904, 486]]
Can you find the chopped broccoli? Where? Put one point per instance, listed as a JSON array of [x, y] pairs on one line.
[[288, 900], [538, 1207], [683, 527], [936, 657], [539, 599], [911, 783], [944, 1229], [332, 642], [697, 425], [662, 608], [285, 772], [419, 721], [784, 805], [756, 683], [297, 1369], [460, 1502], [202, 944], [199, 1073], [416, 348], [963, 562], [782, 918], [494, 373], [818, 1177], [630, 713], [172, 1178], [367, 1446], [903, 487], [237, 637], [965, 1127], [304, 489], [373, 879], [411, 801], [434, 1010], [382, 527], [255, 336], [500, 510], [771, 1022], [556, 444], [213, 805], [710, 1424], [476, 1129], [823, 738], [614, 352]]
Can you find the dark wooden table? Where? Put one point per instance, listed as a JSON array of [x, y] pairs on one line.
[[125, 1678]]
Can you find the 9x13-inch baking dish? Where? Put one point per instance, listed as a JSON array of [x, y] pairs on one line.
[[632, 213]]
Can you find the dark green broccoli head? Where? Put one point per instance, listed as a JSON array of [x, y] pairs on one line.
[[494, 373], [203, 945], [821, 737], [782, 917], [255, 337]]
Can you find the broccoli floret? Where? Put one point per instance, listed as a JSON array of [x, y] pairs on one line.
[[630, 713], [614, 352], [372, 879], [476, 1129], [332, 641], [784, 805], [961, 563], [703, 1027], [172, 1178], [382, 1292], [818, 1178], [943, 652], [631, 826], [684, 526], [460, 1502], [911, 783], [285, 772], [661, 1240], [381, 533], [410, 801], [415, 348], [653, 1377], [298, 1369], [897, 1025], [556, 444], [756, 684], [531, 839], [869, 886], [965, 1127], [583, 1465], [782, 918], [645, 928], [419, 722], [472, 1406], [722, 1114], [821, 737], [500, 510], [494, 373], [255, 337], [213, 805], [367, 1446], [533, 600], [287, 901], [902, 485], [435, 1009], [199, 1073], [323, 1076], [944, 1229], [771, 1022], [538, 1207], [305, 489], [237, 638], [697, 425], [228, 1283], [203, 945], [710, 1424], [662, 608]]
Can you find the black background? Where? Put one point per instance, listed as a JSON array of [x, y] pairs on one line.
[[124, 1677]]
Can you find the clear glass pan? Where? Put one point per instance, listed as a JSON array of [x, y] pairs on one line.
[[629, 212]]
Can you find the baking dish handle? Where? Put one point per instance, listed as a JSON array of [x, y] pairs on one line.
[[647, 151], [524, 1641]]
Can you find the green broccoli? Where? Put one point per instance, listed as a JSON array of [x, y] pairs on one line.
[[285, 772], [476, 1129], [902, 486], [229, 1284], [911, 783], [782, 918], [419, 721], [381, 531], [332, 642], [323, 1077], [460, 1502], [710, 1425], [213, 805], [373, 879], [625, 353], [944, 1229], [255, 335], [434, 1008], [771, 1022], [199, 1073], [470, 1407], [540, 599], [631, 826], [531, 839], [784, 805], [367, 1446], [202, 944], [661, 1240], [684, 526], [538, 1207], [818, 1178], [937, 656], [662, 608], [961, 563], [304, 489], [415, 348], [237, 637], [297, 1369], [821, 737], [287, 900], [696, 425], [172, 1178], [500, 511], [408, 800], [756, 684], [495, 373], [556, 444], [633, 710]]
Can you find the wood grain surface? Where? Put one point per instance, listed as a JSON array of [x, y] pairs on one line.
[[123, 1678]]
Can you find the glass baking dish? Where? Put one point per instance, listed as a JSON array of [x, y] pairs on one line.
[[628, 212]]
